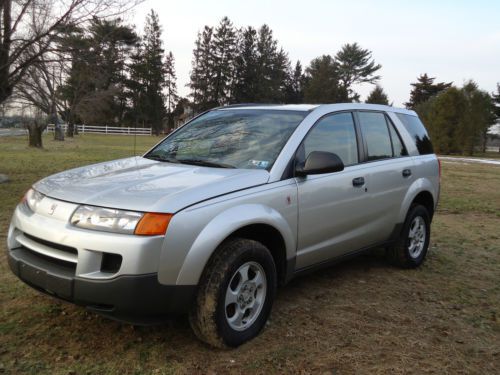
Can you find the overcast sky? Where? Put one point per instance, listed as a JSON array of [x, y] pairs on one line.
[[451, 40]]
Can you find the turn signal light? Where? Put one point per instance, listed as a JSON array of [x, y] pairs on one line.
[[153, 224]]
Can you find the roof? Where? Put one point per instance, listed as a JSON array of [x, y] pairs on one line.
[[311, 107]]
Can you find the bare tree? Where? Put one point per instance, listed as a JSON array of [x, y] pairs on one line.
[[28, 28], [38, 88]]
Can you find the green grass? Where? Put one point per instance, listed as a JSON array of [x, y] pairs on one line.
[[361, 316]]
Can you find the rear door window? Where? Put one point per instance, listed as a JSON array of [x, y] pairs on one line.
[[376, 134]]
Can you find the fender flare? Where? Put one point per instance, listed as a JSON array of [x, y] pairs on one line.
[[418, 186], [221, 227]]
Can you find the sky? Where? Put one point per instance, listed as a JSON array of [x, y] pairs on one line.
[[452, 40]]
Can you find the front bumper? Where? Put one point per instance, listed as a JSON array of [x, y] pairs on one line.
[[113, 274], [137, 299]]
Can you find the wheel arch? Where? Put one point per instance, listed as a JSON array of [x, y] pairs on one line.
[[272, 239], [250, 221], [421, 191], [425, 199]]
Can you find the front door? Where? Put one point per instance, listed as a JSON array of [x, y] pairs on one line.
[[333, 217]]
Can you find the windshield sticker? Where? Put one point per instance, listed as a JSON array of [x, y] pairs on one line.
[[260, 163]]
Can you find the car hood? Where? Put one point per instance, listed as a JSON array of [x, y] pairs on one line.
[[146, 185]]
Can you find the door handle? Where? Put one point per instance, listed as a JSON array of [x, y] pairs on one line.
[[406, 173], [358, 181]]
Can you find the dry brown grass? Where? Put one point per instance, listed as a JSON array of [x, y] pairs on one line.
[[361, 317]]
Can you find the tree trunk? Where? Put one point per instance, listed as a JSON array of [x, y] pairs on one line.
[[71, 130], [35, 130], [485, 140], [58, 133]]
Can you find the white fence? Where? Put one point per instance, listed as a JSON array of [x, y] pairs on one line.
[[493, 148], [82, 129]]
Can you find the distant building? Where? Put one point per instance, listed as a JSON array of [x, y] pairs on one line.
[[493, 139], [186, 115]]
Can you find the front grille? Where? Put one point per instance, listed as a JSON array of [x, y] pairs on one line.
[[67, 249], [69, 267], [49, 253]]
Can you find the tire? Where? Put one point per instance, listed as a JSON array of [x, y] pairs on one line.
[[216, 316], [410, 249]]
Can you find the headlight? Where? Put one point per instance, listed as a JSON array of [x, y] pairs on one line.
[[32, 199], [120, 221]]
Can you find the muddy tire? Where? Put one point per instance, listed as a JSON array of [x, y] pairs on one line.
[[235, 295], [410, 249]]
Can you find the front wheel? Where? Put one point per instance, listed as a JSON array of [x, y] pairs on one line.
[[235, 295], [410, 249]]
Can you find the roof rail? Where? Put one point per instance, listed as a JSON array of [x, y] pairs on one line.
[[246, 105]]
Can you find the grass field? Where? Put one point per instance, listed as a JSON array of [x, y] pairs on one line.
[[361, 317]]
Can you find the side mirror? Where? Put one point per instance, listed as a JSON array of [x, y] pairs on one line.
[[319, 162]]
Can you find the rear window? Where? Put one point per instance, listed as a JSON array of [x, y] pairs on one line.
[[418, 132]]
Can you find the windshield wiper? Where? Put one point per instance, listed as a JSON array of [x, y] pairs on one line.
[[160, 158], [205, 163]]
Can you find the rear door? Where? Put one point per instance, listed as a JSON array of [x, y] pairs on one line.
[[332, 206], [389, 175]]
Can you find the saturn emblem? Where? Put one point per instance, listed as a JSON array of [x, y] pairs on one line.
[[52, 209]]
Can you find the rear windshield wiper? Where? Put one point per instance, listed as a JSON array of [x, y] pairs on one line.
[[205, 163]]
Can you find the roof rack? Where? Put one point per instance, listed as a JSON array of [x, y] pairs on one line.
[[247, 105]]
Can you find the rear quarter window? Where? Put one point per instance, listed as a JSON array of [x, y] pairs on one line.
[[417, 130]]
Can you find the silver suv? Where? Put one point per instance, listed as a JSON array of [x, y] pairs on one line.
[[223, 210]]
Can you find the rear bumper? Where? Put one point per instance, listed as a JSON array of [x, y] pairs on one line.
[[137, 299]]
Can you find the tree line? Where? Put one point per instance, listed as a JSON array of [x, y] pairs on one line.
[[102, 71], [83, 64], [247, 65]]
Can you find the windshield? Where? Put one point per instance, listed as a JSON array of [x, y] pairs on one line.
[[236, 138]]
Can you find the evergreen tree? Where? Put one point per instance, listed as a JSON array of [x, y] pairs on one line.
[[424, 89], [110, 43], [202, 67], [321, 82], [230, 66], [135, 83], [480, 115], [377, 96], [94, 91], [222, 66], [245, 72], [294, 87], [355, 65], [442, 115], [495, 97], [153, 72], [79, 82], [272, 67], [171, 96], [458, 119]]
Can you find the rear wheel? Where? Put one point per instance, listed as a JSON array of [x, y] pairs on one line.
[[411, 248], [235, 295]]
